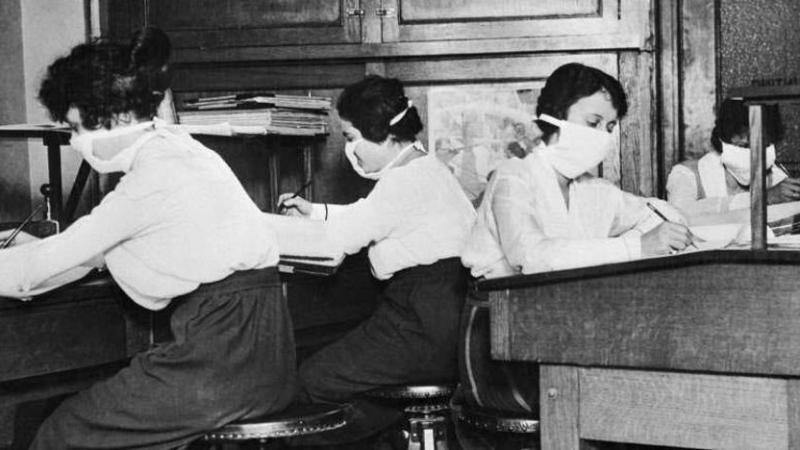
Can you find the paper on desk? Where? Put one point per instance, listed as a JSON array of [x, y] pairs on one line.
[[300, 237], [71, 275], [713, 237]]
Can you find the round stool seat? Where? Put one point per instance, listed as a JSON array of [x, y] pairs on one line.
[[294, 421], [496, 421], [412, 392]]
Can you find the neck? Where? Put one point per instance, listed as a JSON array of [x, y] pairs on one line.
[[410, 155]]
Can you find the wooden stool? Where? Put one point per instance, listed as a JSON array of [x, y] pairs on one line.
[[425, 407], [498, 422], [295, 421]]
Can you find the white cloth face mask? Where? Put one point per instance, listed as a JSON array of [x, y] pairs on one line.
[[350, 152], [737, 161], [579, 148], [118, 161]]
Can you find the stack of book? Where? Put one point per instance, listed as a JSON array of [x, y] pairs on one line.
[[276, 113]]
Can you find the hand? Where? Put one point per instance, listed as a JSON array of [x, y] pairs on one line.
[[787, 190], [666, 238], [290, 205]]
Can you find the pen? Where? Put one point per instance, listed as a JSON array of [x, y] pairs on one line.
[[297, 192]]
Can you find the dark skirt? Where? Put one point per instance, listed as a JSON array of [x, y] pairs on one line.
[[232, 357], [412, 337], [507, 386]]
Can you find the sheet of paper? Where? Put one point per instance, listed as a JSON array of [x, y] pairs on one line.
[[303, 238], [71, 275], [713, 237]]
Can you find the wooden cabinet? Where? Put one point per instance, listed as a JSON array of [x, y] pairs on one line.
[[248, 30]]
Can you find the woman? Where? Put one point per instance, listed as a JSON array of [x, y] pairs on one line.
[[720, 180], [178, 228], [414, 223], [545, 212]]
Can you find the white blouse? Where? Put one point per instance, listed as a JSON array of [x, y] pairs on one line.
[[524, 225], [416, 214], [177, 219], [684, 193]]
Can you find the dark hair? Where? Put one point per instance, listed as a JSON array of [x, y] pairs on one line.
[[103, 79], [570, 83], [733, 118], [371, 104]]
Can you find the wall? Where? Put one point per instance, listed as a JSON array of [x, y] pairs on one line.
[[760, 39], [14, 178], [49, 30]]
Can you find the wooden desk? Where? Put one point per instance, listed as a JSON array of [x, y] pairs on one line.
[[698, 350], [67, 339]]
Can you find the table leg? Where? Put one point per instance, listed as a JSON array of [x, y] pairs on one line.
[[77, 189], [274, 178], [308, 170], [53, 143], [559, 411]]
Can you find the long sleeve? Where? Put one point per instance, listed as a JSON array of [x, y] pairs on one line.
[[26, 266], [357, 225], [528, 248]]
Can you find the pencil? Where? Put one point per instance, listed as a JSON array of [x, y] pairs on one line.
[[657, 212], [16, 231], [297, 192]]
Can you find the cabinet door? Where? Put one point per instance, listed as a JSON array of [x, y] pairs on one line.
[[209, 24], [614, 23]]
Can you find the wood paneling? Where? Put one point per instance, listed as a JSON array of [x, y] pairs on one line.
[[683, 410], [210, 24], [448, 19], [699, 74], [471, 10], [638, 161]]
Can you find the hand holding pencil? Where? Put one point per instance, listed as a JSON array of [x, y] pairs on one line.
[[667, 238], [293, 205]]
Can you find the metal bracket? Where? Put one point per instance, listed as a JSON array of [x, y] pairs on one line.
[[355, 12], [387, 12]]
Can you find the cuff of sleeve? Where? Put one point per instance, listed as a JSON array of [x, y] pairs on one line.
[[319, 211]]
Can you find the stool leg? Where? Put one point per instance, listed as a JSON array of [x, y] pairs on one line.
[[427, 433]]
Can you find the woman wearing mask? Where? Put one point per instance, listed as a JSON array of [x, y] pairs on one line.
[[546, 212], [720, 180], [414, 223], [177, 229]]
